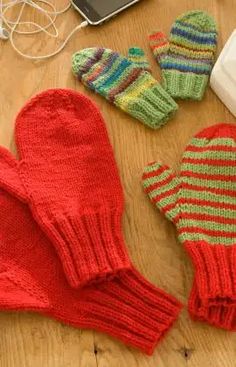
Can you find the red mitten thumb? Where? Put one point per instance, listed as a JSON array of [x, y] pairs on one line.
[[9, 175]]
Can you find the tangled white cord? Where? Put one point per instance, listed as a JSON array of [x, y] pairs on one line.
[[51, 15]]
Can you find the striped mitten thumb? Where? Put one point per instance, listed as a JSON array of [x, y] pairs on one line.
[[138, 57], [162, 186]]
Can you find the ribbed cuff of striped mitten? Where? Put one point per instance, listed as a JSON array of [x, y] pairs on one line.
[[184, 85], [133, 310], [91, 247], [222, 315], [154, 106], [215, 272]]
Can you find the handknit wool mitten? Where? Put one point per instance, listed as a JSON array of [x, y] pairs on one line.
[[201, 201], [31, 278], [125, 82], [71, 183], [186, 59]]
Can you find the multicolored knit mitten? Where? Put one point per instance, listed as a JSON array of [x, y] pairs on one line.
[[125, 82], [201, 201], [186, 59]]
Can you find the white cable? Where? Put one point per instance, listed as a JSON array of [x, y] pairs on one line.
[[10, 23], [51, 16]]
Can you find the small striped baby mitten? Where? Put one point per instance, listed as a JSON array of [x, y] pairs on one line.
[[125, 82], [186, 59], [201, 202]]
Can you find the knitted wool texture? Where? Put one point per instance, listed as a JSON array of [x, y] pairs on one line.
[[32, 278], [201, 201], [221, 315], [186, 59], [72, 184], [125, 82]]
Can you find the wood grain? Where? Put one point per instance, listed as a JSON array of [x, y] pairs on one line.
[[31, 340]]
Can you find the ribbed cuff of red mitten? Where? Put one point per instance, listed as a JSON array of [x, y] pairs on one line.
[[91, 246], [221, 316], [131, 309], [215, 272]]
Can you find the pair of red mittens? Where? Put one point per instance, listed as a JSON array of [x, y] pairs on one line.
[[201, 202], [67, 178]]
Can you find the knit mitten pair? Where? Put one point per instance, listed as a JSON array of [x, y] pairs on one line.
[[62, 251], [201, 202], [186, 61]]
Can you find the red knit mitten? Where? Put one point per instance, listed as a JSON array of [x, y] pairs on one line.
[[71, 182], [201, 201], [31, 278]]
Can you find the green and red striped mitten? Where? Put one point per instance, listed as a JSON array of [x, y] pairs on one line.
[[201, 202], [186, 59]]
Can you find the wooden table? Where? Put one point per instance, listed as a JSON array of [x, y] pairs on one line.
[[31, 340]]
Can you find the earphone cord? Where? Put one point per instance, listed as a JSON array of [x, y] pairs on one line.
[[51, 15]]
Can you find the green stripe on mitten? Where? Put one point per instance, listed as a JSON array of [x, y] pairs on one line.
[[125, 82], [186, 59]]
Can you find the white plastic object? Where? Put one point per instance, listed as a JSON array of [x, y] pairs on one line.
[[223, 76]]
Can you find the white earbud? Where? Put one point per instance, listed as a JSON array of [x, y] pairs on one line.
[[4, 34]]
